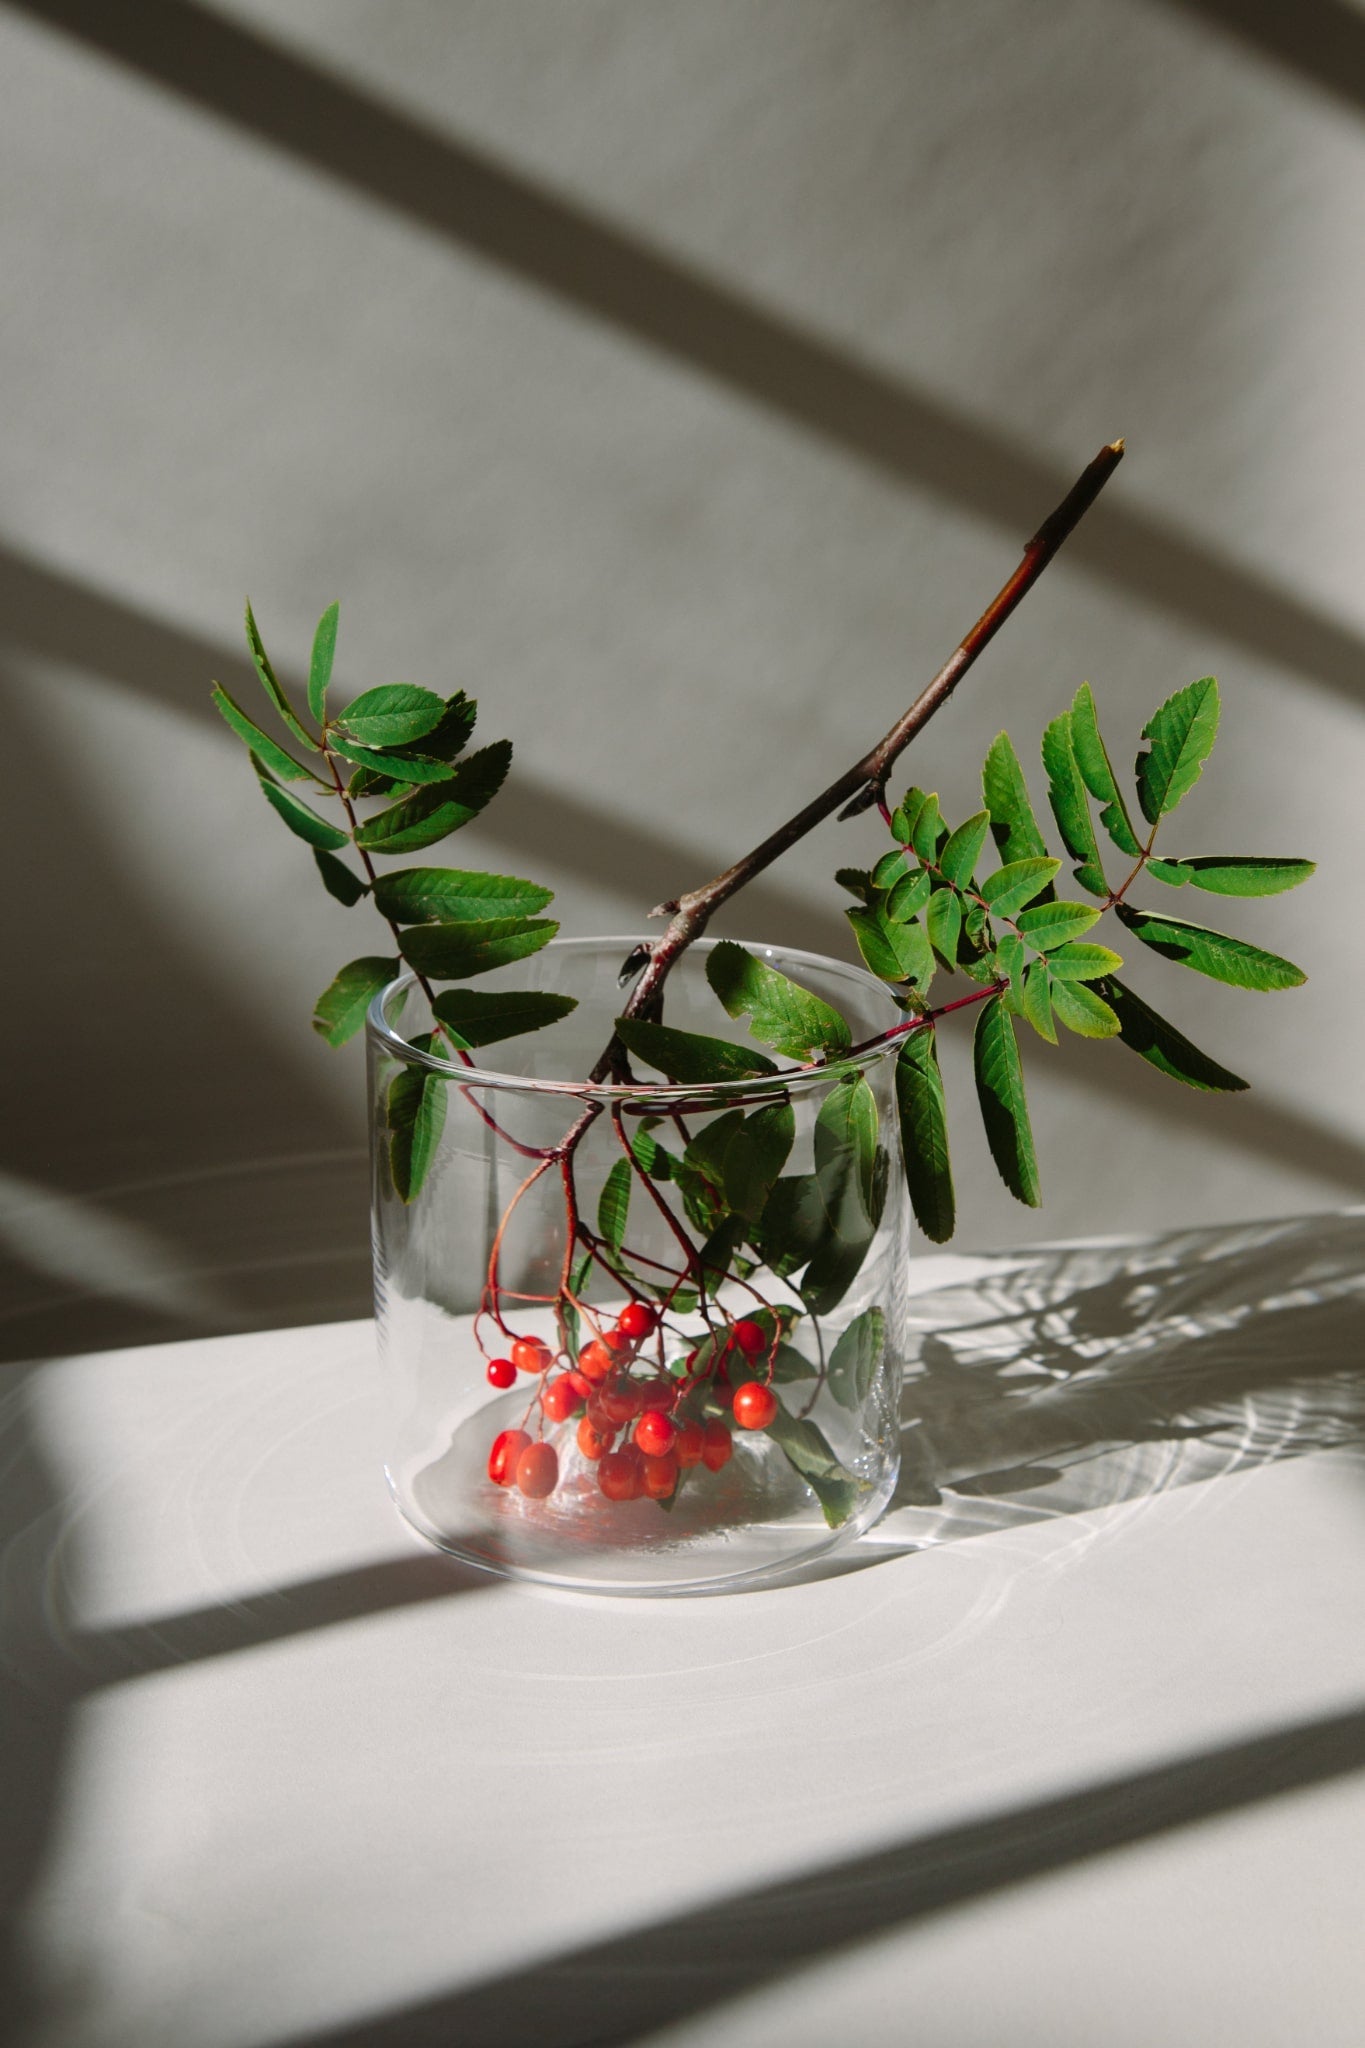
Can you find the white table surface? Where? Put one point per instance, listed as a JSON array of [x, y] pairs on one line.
[[1069, 1755]]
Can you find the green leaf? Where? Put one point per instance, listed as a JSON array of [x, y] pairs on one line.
[[1097, 774], [892, 868], [1000, 1091], [924, 825], [755, 1156], [1081, 1010], [271, 685], [910, 895], [1086, 962], [895, 952], [455, 896], [260, 743], [857, 881], [793, 1225], [1182, 734], [297, 816], [943, 923], [781, 1013], [453, 952], [406, 768], [1216, 954], [421, 819], [807, 1452], [392, 716], [1162, 1046], [846, 1177], [1066, 794], [791, 1365], [1056, 924], [338, 879], [320, 667], [1234, 874], [1013, 825], [688, 1056], [924, 1136], [613, 1206], [1036, 1001], [1016, 884], [1011, 960], [448, 736], [907, 814], [416, 1117], [340, 1010], [475, 1016], [651, 1156], [856, 1359], [957, 862]]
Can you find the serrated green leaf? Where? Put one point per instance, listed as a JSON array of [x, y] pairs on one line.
[[895, 952], [957, 862], [907, 811], [365, 783], [1082, 1011], [474, 1016], [454, 952], [892, 867], [909, 896], [410, 768], [1036, 1001], [320, 667], [340, 1010], [651, 1156], [924, 827], [455, 896], [416, 1118], [1163, 1047], [1215, 954], [302, 821], [1233, 874], [1011, 961], [259, 743], [1182, 734], [857, 881], [448, 736], [613, 1205], [689, 1057], [1017, 883], [793, 1225], [339, 880], [806, 1451], [857, 1358], [845, 1139], [1056, 924], [924, 1135], [428, 815], [943, 923], [1066, 794], [1004, 1111], [781, 1013], [1097, 774], [1086, 962], [271, 685], [1013, 824], [394, 715], [756, 1156]]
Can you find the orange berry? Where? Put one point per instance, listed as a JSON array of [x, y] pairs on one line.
[[621, 1474], [620, 1398], [502, 1459], [559, 1400], [538, 1470], [529, 1354], [661, 1477], [691, 1439], [657, 1392], [656, 1434], [592, 1441], [595, 1361]]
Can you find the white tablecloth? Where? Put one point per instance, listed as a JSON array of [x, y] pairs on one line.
[[1068, 1753]]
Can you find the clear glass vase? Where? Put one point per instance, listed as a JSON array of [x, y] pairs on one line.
[[709, 1408]]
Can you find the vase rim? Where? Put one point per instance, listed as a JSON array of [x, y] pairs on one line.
[[868, 1053]]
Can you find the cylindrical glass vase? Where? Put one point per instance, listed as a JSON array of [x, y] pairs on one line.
[[642, 1337]]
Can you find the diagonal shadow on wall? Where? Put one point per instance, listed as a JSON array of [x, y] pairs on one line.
[[55, 615], [1322, 40], [614, 277]]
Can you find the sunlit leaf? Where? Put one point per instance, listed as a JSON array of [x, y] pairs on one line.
[[613, 1206], [320, 667], [958, 860], [453, 952], [259, 743], [1182, 734], [1036, 1001], [1013, 824], [1016, 884], [1082, 1011], [1056, 924], [455, 896], [1004, 1111], [429, 814], [392, 716], [1234, 875], [781, 1013], [416, 1118], [270, 683], [1098, 775], [1070, 807], [1216, 954], [924, 1135], [340, 1010], [857, 1358]]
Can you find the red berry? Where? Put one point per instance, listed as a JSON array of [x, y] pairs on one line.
[[530, 1355], [621, 1474], [501, 1372], [750, 1338], [502, 1459], [617, 1342], [657, 1392], [655, 1434], [619, 1399], [538, 1470], [661, 1477], [592, 1441], [690, 1443], [559, 1399], [755, 1405], [717, 1448], [637, 1320], [580, 1383], [595, 1361]]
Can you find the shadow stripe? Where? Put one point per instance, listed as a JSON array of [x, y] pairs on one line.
[[620, 1990], [62, 619], [1322, 40], [612, 276]]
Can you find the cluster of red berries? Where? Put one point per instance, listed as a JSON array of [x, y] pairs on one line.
[[661, 1440]]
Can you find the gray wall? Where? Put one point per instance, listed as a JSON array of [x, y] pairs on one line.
[[679, 376]]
